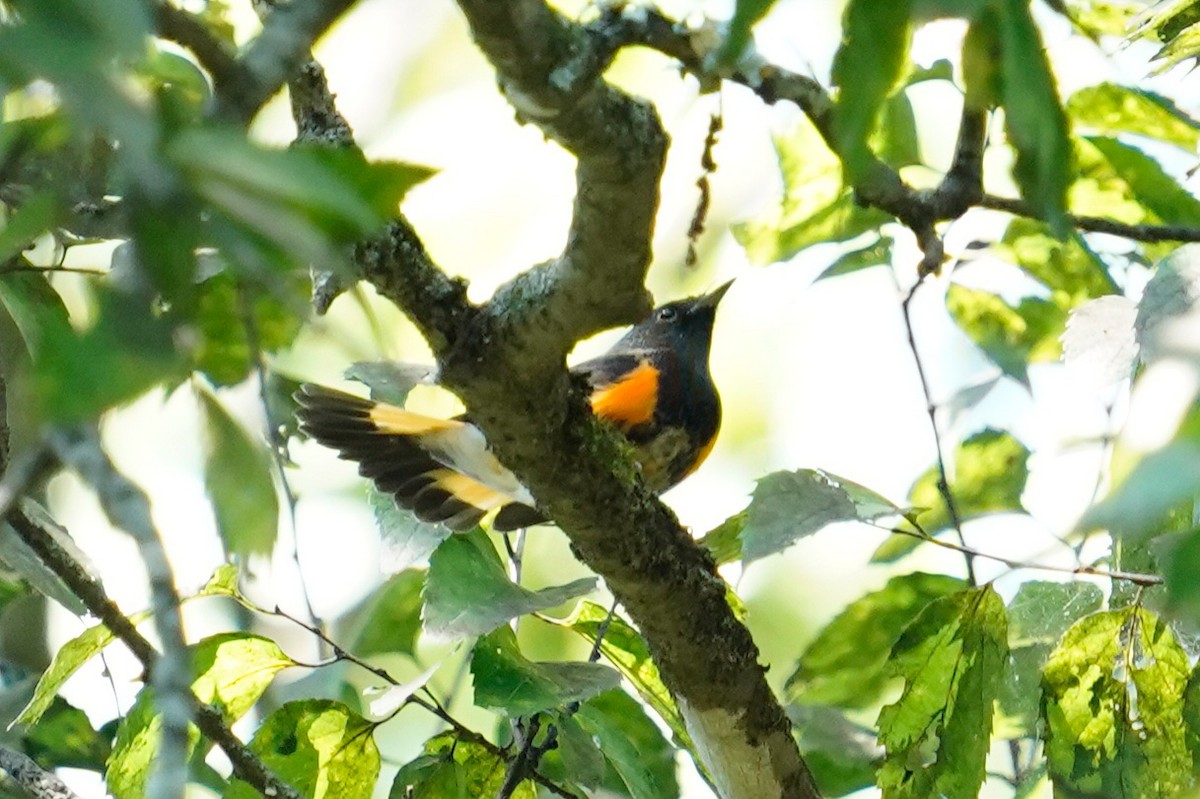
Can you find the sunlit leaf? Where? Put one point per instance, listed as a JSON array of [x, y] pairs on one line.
[[467, 592], [937, 734], [1065, 265], [1042, 611], [1099, 344], [319, 747], [877, 254], [1170, 202], [506, 680], [845, 665], [454, 769], [1011, 337], [1113, 715], [724, 542], [237, 475], [1113, 110]]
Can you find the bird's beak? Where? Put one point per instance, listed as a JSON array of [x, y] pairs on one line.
[[711, 299]]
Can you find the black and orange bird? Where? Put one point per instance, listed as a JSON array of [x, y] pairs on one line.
[[654, 386]]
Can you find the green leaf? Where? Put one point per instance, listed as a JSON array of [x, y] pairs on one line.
[[1113, 716], [36, 216], [577, 759], [125, 352], [1010, 337], [1113, 110], [1042, 611], [390, 619], [937, 734], [230, 672], [724, 542], [225, 353], [34, 307], [1104, 17], [1020, 698], [454, 769], [1143, 503], [989, 474], [467, 592], [846, 664], [746, 14], [866, 69], [1067, 265], [1180, 566], [67, 660], [406, 539], [788, 506], [65, 737], [505, 680], [877, 254], [642, 759], [815, 208], [842, 755], [319, 747], [1034, 118], [1148, 183], [237, 475]]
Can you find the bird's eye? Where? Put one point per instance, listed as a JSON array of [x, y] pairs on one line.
[[667, 314]]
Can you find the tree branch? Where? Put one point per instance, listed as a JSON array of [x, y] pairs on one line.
[[33, 779], [1099, 224], [183, 28]]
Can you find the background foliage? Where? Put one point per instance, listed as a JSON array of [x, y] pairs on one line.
[[1012, 630]]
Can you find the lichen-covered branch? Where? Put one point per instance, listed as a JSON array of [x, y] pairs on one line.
[[32, 778]]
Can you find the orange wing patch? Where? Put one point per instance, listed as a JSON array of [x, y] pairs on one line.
[[631, 399]]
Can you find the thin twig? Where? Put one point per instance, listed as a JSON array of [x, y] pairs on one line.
[[943, 483], [1099, 224]]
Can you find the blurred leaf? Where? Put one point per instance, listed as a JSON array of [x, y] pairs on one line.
[[1113, 110], [841, 754], [319, 747], [32, 568], [165, 72], [1184, 46], [1140, 505], [1042, 611], [389, 381], [642, 759], [1010, 337], [845, 665], [390, 618], [1104, 17], [1113, 715], [724, 542], [815, 208], [1033, 116], [34, 307], [866, 69], [454, 769], [577, 760], [505, 680], [937, 734], [64, 737], [223, 582], [877, 254], [1169, 201], [237, 476], [230, 672], [896, 138], [467, 592], [982, 63], [67, 660], [746, 14], [988, 476], [125, 352], [405, 538], [1180, 568], [1020, 698], [224, 353], [1099, 344], [1167, 312], [1066, 266], [788, 506], [34, 218]]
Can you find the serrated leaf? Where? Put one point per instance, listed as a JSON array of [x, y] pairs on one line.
[[788, 506], [1113, 716], [815, 207], [390, 619], [867, 67], [405, 538], [467, 592], [505, 680], [237, 476], [454, 769], [1042, 611], [632, 744], [1099, 343], [1104, 17], [845, 665], [1010, 337], [389, 381], [937, 734], [319, 747], [230, 672], [1034, 119], [842, 755], [1113, 110]]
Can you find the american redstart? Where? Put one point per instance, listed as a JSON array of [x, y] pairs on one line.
[[653, 385]]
